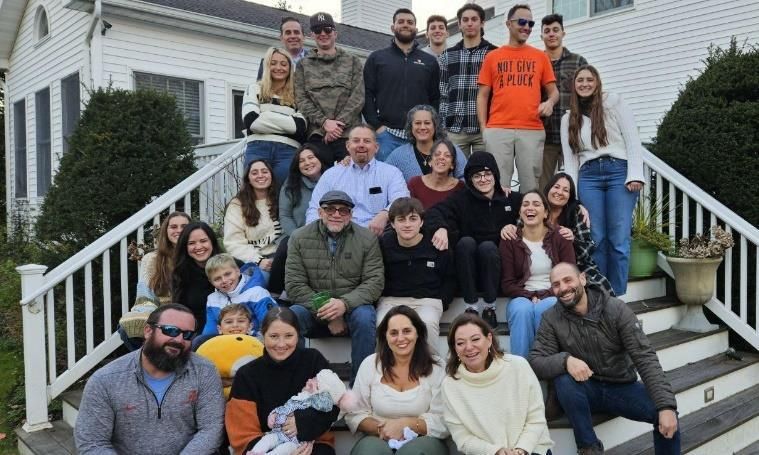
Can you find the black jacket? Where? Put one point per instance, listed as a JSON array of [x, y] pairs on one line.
[[396, 82], [468, 213], [608, 338], [420, 271]]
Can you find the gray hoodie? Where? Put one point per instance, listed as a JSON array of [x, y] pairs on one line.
[[119, 413]]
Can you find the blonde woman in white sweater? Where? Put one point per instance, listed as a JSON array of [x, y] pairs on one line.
[[251, 222], [273, 127], [603, 153], [493, 402]]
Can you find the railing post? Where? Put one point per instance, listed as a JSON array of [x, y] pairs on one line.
[[35, 373]]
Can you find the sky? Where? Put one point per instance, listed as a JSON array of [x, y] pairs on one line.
[[422, 8]]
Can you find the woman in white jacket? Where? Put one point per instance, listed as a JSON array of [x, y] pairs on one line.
[[603, 153], [273, 126]]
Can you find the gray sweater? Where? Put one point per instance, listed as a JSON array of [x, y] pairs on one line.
[[120, 414], [291, 217]]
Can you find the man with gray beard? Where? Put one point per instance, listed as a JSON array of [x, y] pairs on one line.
[[589, 348], [162, 398]]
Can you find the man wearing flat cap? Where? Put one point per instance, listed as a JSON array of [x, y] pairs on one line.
[[329, 90], [335, 275]]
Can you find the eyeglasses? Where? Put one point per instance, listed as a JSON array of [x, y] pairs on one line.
[[523, 22], [173, 331], [331, 209], [318, 30], [486, 175]]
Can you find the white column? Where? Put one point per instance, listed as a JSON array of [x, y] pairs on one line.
[[35, 372]]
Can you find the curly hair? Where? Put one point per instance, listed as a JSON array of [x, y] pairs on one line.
[[246, 197], [436, 122]]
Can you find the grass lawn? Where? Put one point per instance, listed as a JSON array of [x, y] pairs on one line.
[[11, 372]]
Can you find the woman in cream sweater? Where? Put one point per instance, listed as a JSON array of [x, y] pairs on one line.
[[493, 402]]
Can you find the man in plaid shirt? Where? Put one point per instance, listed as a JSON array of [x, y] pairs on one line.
[[459, 68], [565, 64]]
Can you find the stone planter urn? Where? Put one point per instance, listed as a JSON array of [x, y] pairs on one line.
[[694, 284]]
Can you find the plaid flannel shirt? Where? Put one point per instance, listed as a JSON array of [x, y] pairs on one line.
[[584, 248], [564, 69], [459, 69]]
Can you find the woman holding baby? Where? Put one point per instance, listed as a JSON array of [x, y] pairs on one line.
[[398, 389], [269, 381]]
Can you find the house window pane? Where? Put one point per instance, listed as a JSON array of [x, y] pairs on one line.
[[70, 107], [237, 101], [571, 9], [188, 95], [42, 127], [19, 145], [602, 6]]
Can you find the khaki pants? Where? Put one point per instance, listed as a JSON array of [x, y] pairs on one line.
[[525, 147], [468, 143], [430, 310], [551, 161]]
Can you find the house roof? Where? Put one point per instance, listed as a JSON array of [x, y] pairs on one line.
[[268, 17], [11, 12]]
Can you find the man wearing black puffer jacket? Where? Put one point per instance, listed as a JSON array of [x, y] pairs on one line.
[[472, 220], [396, 79]]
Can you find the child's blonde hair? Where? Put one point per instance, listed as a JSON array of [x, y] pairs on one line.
[[234, 308], [220, 261]]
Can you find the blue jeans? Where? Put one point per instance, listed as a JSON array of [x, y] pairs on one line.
[[602, 190], [387, 143], [362, 326], [524, 320], [631, 401], [278, 155]]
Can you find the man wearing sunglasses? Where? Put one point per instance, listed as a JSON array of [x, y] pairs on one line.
[[329, 90], [162, 398], [337, 256], [509, 104]]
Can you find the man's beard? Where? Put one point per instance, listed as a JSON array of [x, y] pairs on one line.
[[579, 294], [161, 359], [403, 38]]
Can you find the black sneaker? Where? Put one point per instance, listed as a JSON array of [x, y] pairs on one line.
[[472, 310], [488, 314]]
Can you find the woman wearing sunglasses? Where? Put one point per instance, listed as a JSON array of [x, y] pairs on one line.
[[603, 153], [269, 381]]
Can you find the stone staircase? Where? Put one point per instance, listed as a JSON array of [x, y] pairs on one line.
[[717, 395]]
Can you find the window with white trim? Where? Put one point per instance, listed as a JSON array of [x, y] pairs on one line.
[[41, 24], [42, 128], [70, 108], [237, 96], [572, 9], [19, 148], [188, 95]]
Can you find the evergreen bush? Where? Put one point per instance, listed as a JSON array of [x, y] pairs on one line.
[[711, 133], [129, 146]]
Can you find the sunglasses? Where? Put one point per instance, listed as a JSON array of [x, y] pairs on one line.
[[330, 209], [319, 30], [173, 331], [523, 22]]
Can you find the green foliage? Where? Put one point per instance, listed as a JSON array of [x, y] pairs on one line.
[[128, 147], [645, 226], [711, 134]]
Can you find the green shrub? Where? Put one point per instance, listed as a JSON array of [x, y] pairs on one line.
[[711, 134], [128, 147]]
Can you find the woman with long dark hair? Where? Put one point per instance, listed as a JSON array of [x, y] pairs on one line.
[[189, 284], [399, 387], [493, 401], [602, 151], [305, 170], [251, 222], [565, 212], [273, 126]]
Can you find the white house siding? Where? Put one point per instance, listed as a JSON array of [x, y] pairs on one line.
[[374, 15], [647, 53], [222, 64]]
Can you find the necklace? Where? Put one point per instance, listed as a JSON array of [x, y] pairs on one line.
[[424, 159]]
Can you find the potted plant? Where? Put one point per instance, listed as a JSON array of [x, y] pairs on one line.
[[647, 239], [694, 264]]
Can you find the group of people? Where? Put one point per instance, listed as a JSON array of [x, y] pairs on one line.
[[369, 228]]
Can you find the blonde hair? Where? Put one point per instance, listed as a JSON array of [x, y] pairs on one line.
[[266, 93], [220, 261]]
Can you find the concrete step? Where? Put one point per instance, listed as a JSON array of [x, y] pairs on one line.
[[728, 426], [58, 440], [752, 449]]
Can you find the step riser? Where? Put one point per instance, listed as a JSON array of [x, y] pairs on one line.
[[732, 441], [69, 414], [693, 351], [636, 290]]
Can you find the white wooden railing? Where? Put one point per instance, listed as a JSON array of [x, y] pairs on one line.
[[55, 304], [50, 371], [690, 210]]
